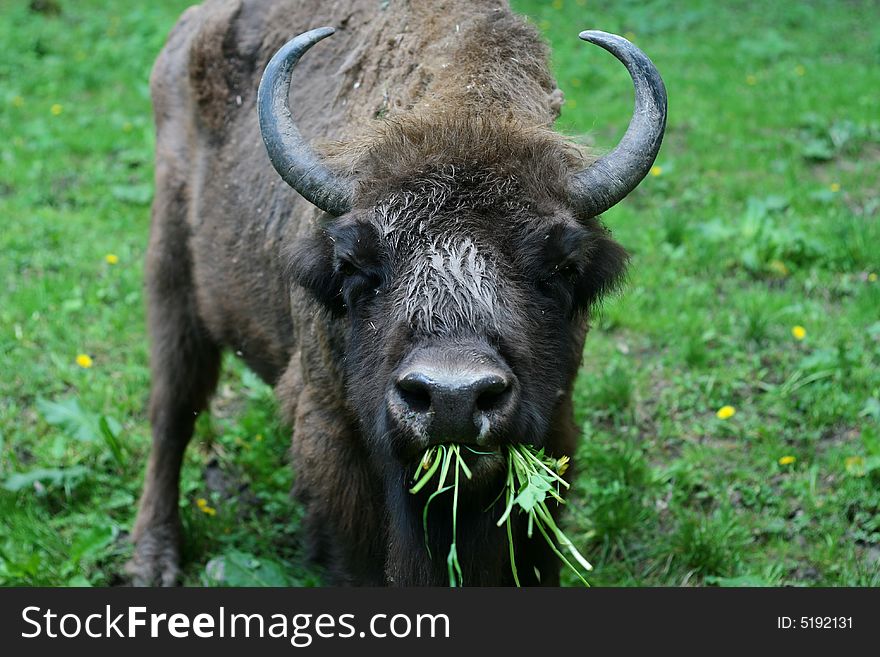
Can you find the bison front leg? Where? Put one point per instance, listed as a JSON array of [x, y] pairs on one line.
[[179, 394], [184, 373], [184, 364]]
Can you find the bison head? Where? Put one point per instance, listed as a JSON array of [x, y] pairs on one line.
[[465, 278]]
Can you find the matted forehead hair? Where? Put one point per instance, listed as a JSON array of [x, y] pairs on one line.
[[446, 267], [489, 157], [452, 285]]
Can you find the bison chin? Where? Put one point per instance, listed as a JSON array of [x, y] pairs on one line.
[[418, 542]]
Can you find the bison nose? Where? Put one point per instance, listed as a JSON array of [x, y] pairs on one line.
[[454, 406]]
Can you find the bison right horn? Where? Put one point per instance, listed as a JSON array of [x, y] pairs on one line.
[[610, 178], [293, 158]]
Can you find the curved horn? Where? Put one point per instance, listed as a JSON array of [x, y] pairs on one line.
[[293, 158], [612, 177]]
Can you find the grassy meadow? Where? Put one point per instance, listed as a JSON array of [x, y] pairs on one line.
[[729, 397]]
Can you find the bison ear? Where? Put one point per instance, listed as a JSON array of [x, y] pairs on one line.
[[310, 265]]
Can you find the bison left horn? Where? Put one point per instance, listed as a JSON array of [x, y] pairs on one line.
[[609, 179], [294, 160]]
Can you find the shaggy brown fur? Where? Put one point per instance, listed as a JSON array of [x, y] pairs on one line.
[[441, 112]]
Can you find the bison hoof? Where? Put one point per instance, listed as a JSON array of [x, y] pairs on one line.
[[156, 560]]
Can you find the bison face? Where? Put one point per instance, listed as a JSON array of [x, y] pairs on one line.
[[464, 255], [465, 305]]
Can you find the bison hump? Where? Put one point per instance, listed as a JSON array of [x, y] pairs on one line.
[[223, 61]]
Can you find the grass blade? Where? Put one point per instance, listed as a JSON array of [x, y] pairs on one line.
[[426, 476], [512, 558]]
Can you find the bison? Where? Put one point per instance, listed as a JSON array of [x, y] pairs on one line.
[[396, 240]]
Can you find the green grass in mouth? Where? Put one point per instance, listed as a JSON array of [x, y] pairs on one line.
[[533, 479]]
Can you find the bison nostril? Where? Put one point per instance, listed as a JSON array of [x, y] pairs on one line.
[[417, 400], [493, 392], [415, 392]]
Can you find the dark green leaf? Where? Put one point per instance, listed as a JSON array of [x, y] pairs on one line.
[[68, 415], [244, 569], [91, 541], [110, 439], [46, 476]]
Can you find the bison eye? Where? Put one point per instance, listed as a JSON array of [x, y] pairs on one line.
[[357, 279], [560, 279], [568, 269], [346, 268], [564, 271]]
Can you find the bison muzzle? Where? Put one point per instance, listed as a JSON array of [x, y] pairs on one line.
[[411, 260]]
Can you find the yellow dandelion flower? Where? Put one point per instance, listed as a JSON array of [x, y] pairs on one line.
[[18, 101], [726, 412], [854, 461], [855, 465], [751, 80], [202, 503], [56, 109], [562, 465], [872, 277], [112, 259], [84, 361], [799, 332], [800, 70], [786, 460], [779, 267], [835, 187], [656, 170]]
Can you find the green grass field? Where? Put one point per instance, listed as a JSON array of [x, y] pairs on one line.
[[753, 286]]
